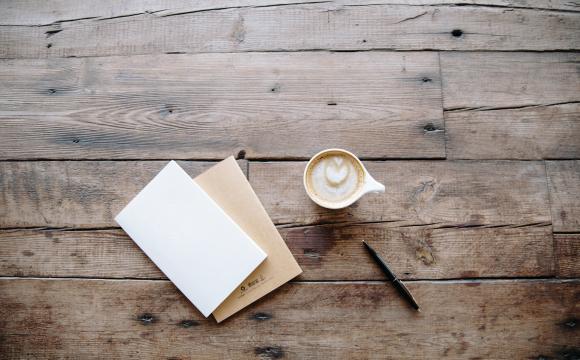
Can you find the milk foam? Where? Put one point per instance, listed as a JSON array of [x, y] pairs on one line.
[[334, 177]]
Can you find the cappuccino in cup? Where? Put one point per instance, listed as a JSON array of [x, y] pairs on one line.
[[335, 178]]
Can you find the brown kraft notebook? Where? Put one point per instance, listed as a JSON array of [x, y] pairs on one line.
[[229, 188]]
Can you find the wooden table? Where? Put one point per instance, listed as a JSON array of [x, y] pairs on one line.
[[469, 114]]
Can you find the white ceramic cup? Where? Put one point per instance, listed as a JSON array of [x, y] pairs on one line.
[[367, 185]]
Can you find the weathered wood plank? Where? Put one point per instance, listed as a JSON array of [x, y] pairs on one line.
[[567, 253], [119, 319], [74, 193], [296, 27], [209, 106], [564, 183], [460, 193], [544, 132], [99, 254], [497, 80], [39, 12], [324, 253], [335, 252], [441, 193], [506, 105]]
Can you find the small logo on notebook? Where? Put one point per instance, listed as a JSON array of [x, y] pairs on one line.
[[252, 283]]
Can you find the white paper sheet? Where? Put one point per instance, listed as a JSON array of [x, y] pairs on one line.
[[190, 238]]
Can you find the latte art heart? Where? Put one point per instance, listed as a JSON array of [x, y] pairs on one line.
[[334, 177], [336, 171]]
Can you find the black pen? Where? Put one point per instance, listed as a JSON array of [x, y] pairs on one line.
[[401, 288]]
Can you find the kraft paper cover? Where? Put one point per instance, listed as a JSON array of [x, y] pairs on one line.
[[229, 188]]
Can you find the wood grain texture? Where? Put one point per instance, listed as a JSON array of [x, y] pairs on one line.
[[297, 27], [279, 80], [567, 253], [500, 80], [39, 12], [209, 106], [50, 253], [73, 193], [324, 253], [511, 106], [439, 193], [564, 182], [334, 252], [150, 319], [543, 132], [462, 193]]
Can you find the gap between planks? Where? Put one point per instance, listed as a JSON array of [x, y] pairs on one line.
[[330, 51], [491, 280], [286, 226], [287, 159]]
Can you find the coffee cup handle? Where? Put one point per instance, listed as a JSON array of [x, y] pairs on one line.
[[373, 186]]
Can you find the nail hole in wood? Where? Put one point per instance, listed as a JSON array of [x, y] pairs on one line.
[[311, 253], [261, 316], [241, 154], [48, 46], [188, 323], [570, 323], [49, 33], [275, 88], [457, 33], [429, 127], [146, 319], [270, 352]]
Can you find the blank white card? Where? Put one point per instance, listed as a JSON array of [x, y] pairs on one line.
[[190, 238]]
